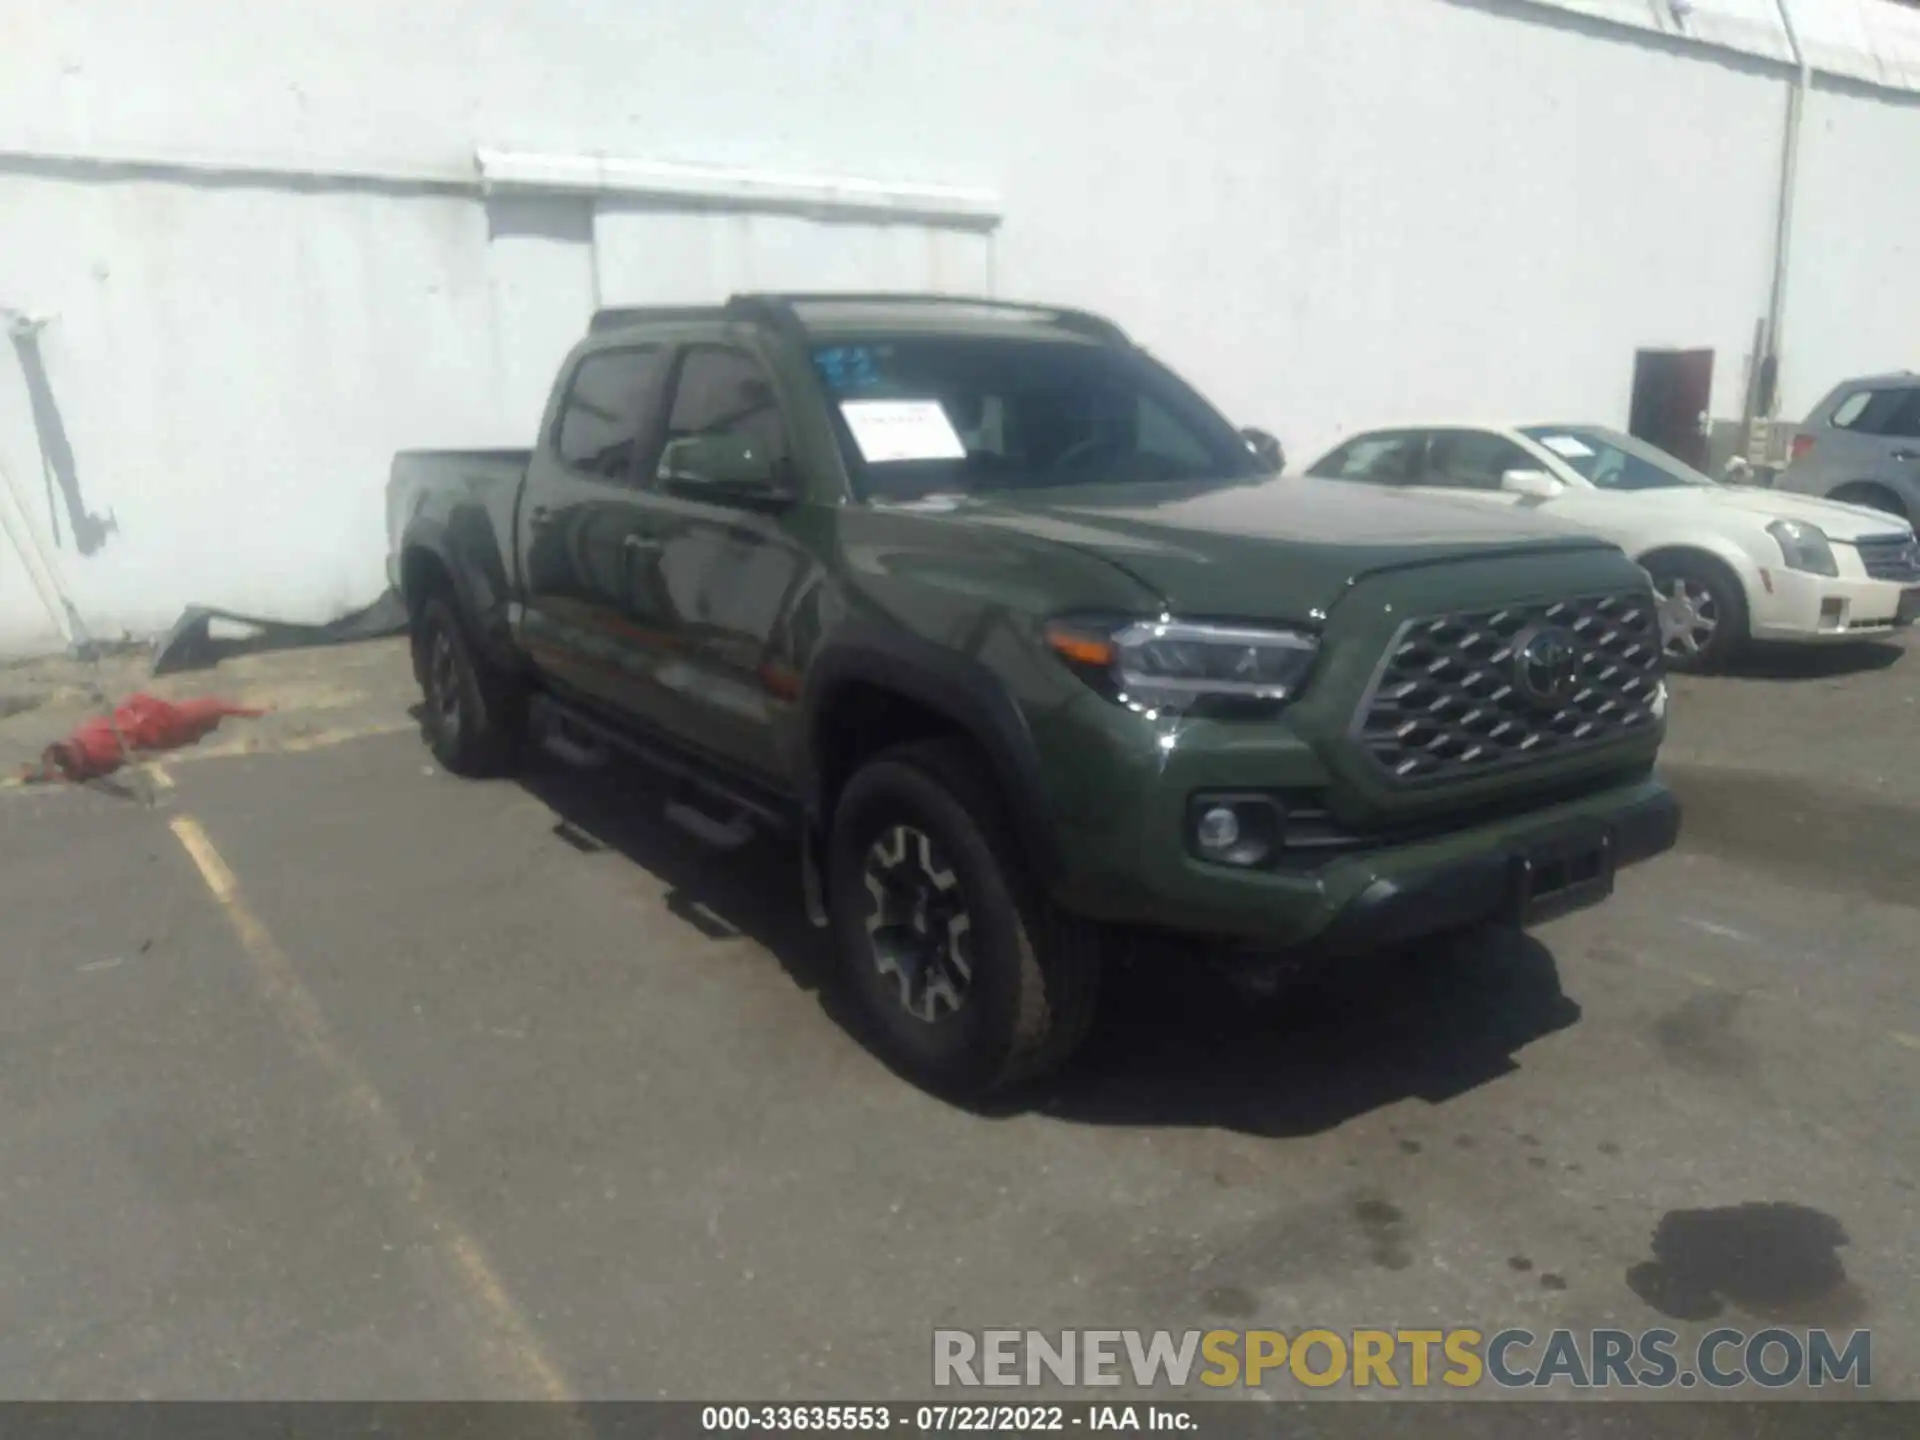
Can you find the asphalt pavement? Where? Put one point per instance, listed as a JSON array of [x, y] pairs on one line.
[[332, 1076]]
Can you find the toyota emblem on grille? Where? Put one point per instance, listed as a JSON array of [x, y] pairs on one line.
[[1546, 664]]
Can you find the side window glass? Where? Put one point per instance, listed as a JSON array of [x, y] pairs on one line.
[[1905, 422], [723, 392], [1848, 412], [1158, 434], [1473, 460], [1390, 459], [1875, 413], [610, 404]]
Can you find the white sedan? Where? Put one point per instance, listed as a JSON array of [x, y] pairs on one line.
[[1731, 563]]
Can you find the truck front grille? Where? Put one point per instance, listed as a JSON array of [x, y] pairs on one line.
[[1462, 695], [1891, 557]]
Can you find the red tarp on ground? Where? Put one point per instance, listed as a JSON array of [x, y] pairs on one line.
[[145, 723]]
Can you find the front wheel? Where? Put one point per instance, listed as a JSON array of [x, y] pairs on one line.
[[970, 978], [1703, 614]]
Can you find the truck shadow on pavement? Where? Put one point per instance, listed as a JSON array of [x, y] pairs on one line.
[[752, 893], [1184, 1047], [1176, 1044], [1813, 662]]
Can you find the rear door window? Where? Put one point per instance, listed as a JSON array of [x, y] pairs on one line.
[[610, 410], [1873, 412], [1905, 421]]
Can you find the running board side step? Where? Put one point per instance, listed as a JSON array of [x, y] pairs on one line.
[[711, 811], [728, 834], [578, 738]]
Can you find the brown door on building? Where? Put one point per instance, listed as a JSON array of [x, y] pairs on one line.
[[1672, 398]]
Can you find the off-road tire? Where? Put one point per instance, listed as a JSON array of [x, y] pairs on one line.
[[475, 716], [1035, 970]]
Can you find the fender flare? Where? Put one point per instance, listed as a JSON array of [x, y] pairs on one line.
[[485, 613], [952, 685]]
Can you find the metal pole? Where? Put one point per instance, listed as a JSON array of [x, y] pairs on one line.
[[1783, 217]]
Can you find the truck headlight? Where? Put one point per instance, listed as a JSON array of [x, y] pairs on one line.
[[1172, 665], [1804, 547]]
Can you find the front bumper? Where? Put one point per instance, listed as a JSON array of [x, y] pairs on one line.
[[1503, 884], [1496, 871], [1800, 607]]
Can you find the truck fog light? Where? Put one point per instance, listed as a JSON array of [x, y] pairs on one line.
[[1239, 830], [1218, 831]]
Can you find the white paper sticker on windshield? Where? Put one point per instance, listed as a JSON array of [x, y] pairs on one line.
[[894, 430], [1566, 447]]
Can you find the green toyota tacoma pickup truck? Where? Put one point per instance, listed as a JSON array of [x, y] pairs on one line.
[[1029, 651]]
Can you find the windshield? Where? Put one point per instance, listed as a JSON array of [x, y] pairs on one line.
[[947, 414], [1611, 461]]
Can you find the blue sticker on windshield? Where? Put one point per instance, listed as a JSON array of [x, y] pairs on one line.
[[847, 367]]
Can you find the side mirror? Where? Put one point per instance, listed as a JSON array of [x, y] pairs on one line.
[[1266, 449], [1537, 484], [726, 469]]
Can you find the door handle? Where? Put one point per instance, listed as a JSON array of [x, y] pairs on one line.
[[639, 545], [1906, 454], [539, 517]]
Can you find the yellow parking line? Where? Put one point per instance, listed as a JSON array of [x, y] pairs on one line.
[[512, 1351], [295, 744]]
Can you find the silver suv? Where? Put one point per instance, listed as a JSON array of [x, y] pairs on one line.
[[1862, 444]]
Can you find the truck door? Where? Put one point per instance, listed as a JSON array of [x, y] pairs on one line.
[[577, 517], [717, 578]]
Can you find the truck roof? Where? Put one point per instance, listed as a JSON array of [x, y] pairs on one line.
[[825, 315]]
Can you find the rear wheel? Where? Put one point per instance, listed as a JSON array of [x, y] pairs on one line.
[[971, 979], [1703, 614], [475, 716]]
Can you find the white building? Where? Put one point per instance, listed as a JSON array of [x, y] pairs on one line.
[[274, 240]]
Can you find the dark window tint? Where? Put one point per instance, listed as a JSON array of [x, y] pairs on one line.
[[1390, 458], [609, 404], [1905, 421], [1473, 460], [723, 392], [1873, 412]]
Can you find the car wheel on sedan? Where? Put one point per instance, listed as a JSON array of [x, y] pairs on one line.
[[970, 979], [1703, 612]]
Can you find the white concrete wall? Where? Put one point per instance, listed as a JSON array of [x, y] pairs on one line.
[[1326, 212], [1853, 307]]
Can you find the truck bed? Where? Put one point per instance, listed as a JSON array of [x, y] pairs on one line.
[[469, 497]]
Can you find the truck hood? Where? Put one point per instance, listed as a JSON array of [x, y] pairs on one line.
[[1281, 549], [1840, 521]]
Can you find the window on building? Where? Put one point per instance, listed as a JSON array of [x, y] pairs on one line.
[[610, 404]]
